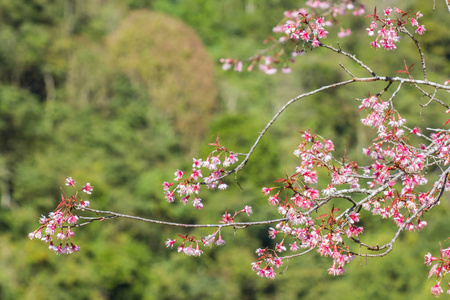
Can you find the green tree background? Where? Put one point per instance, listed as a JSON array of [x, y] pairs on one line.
[[122, 93]]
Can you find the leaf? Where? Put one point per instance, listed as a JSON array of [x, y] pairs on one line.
[[407, 69], [322, 216]]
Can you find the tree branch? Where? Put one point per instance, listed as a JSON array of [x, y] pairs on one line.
[[116, 215]]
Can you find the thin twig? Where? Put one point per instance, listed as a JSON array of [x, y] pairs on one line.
[[431, 99], [234, 224], [422, 58], [431, 96], [346, 70], [353, 57], [296, 255]]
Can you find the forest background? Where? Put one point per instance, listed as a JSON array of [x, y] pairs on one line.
[[122, 93]]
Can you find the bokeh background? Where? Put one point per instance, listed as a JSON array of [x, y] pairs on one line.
[[122, 93]]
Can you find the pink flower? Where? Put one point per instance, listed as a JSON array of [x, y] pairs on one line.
[[238, 66], [69, 233], [280, 247], [167, 185], [61, 235], [260, 251], [189, 250], [226, 63], [354, 231], [208, 240], [66, 249], [269, 70], [255, 266], [312, 193], [75, 248], [336, 272], [286, 70], [294, 247], [70, 182], [416, 131], [197, 251], [266, 191], [247, 209], [322, 33], [178, 174], [197, 163], [387, 11], [310, 176], [84, 204], [222, 186], [59, 250], [445, 252], [320, 22], [197, 203], [273, 200], [414, 22], [420, 29], [354, 217], [277, 262], [226, 218], [220, 241], [421, 224], [315, 42], [169, 196], [72, 219], [269, 273], [344, 33], [32, 235], [196, 174], [375, 44], [437, 290], [88, 188]]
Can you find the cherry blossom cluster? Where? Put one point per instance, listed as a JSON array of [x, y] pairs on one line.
[[391, 185], [387, 35], [298, 197], [396, 162], [187, 184], [306, 25], [191, 245], [441, 267], [56, 228]]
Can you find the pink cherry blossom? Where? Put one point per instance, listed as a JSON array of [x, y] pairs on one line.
[[437, 290], [70, 182], [220, 241], [88, 188]]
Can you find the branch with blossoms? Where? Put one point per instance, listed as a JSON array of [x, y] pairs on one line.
[[321, 214], [57, 227]]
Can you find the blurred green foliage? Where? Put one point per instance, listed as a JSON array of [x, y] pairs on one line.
[[122, 93]]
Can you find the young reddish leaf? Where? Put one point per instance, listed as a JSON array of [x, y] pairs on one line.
[[322, 216]]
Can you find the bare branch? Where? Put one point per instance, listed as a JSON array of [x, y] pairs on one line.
[[353, 57], [431, 99], [296, 255], [422, 58], [234, 224]]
